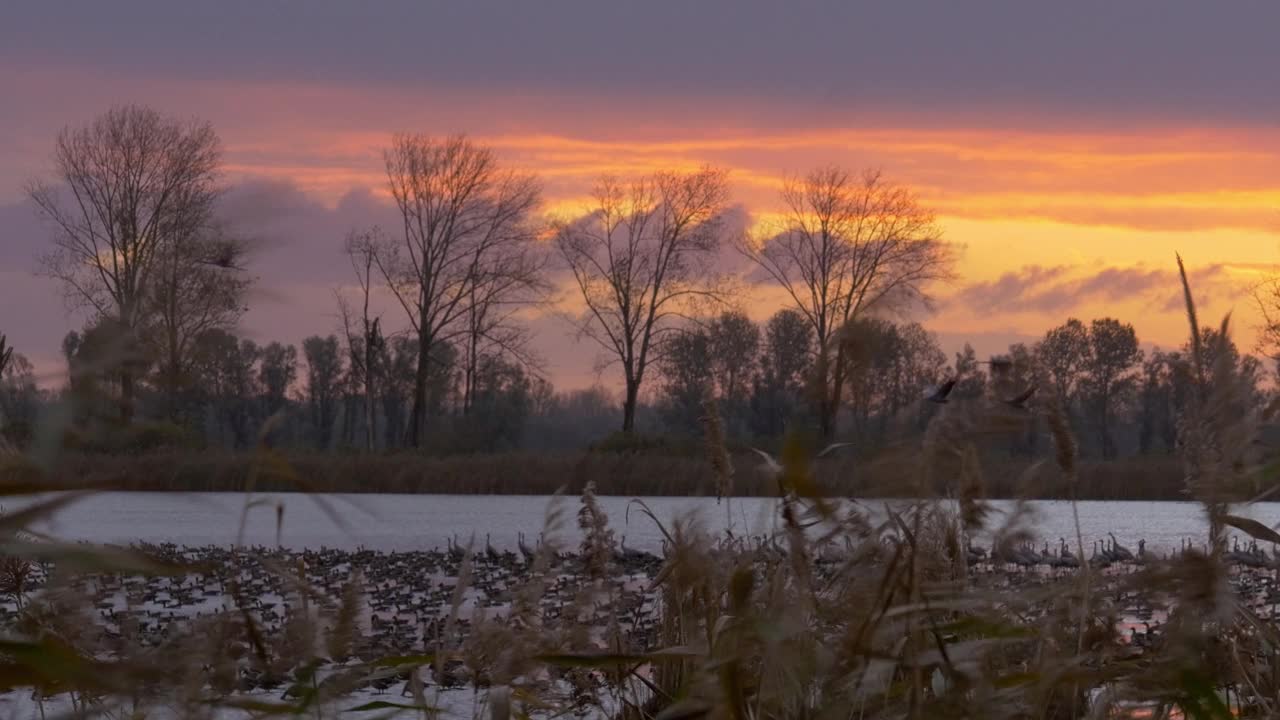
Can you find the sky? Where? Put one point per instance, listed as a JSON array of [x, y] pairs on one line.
[[1067, 149]]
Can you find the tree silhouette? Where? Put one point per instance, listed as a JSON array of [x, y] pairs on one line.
[[464, 218], [847, 244], [639, 261], [140, 186], [1109, 374], [324, 375]]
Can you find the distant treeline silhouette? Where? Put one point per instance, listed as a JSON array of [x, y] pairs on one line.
[[137, 241], [1122, 401]]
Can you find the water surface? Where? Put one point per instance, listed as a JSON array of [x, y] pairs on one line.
[[406, 522]]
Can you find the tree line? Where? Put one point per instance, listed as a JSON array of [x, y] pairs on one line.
[[1121, 400], [137, 242]]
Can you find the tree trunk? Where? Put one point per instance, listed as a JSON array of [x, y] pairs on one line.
[[171, 392], [126, 396], [418, 420], [832, 380], [370, 413], [1108, 449], [629, 406]]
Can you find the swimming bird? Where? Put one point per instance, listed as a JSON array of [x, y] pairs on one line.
[[938, 394]]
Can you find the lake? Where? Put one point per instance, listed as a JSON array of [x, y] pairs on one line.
[[409, 522]]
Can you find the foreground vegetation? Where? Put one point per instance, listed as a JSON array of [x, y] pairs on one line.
[[838, 612]]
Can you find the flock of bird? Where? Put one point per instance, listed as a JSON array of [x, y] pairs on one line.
[[406, 597], [938, 394], [410, 603], [1106, 552]]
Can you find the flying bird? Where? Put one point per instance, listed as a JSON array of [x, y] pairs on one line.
[[1020, 401], [771, 467], [939, 393], [998, 364], [832, 448], [223, 255]]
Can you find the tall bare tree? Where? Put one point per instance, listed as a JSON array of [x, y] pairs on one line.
[[6, 359], [1266, 296], [847, 244], [126, 187], [6, 354], [459, 209], [199, 285], [640, 259], [511, 276], [364, 346]]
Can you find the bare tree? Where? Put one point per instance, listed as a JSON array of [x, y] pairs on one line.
[[6, 359], [735, 348], [277, 369], [6, 354], [127, 186], [324, 379], [1062, 355], [365, 348], [1266, 295], [459, 211], [640, 259], [785, 363], [1111, 374], [199, 284], [510, 277], [847, 245]]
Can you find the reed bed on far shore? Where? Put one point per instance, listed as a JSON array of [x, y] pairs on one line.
[[527, 473]]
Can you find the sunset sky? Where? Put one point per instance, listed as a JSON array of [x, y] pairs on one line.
[[1069, 149]]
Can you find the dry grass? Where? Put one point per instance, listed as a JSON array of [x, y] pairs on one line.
[[842, 614], [1154, 478]]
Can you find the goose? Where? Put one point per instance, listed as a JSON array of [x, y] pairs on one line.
[[938, 393], [489, 552], [1065, 556], [524, 549], [1118, 551], [456, 552], [1019, 401], [772, 468], [998, 364]]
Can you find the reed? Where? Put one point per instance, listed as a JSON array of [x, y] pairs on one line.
[[527, 473], [842, 612]]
